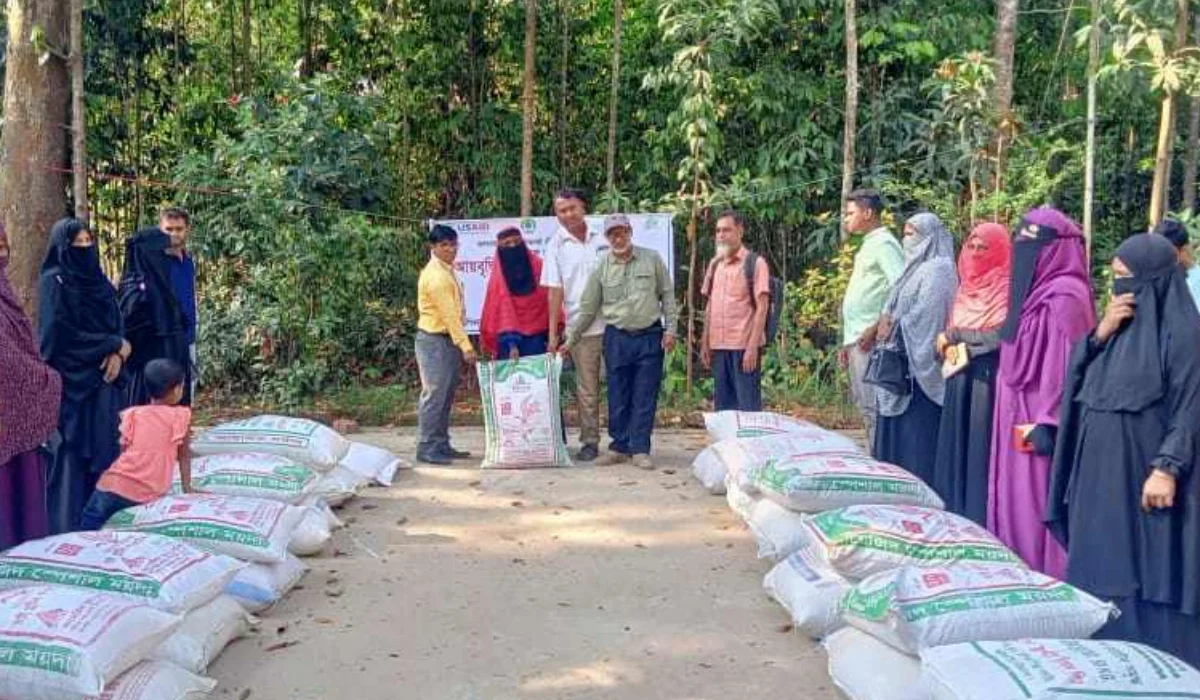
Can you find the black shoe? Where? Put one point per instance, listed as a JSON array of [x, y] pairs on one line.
[[587, 453], [455, 454], [437, 459]]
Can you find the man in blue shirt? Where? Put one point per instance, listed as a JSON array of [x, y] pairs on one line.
[[1175, 232], [176, 223]]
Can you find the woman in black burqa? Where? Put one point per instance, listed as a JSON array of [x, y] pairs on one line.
[[81, 336], [1124, 496], [154, 320]]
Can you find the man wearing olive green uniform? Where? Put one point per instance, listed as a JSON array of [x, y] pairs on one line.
[[632, 291]]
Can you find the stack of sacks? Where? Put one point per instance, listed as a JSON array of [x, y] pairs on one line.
[[271, 457], [64, 643], [158, 572], [711, 467], [773, 481]]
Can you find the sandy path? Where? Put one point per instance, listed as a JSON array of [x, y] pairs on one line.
[[457, 584]]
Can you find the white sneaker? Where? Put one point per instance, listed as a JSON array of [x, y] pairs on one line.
[[643, 462]]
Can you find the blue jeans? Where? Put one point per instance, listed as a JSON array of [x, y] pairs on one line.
[[526, 345], [439, 362], [102, 506], [735, 389], [634, 364]]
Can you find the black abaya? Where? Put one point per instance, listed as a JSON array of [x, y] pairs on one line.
[[910, 439], [155, 323], [960, 471], [1119, 423]]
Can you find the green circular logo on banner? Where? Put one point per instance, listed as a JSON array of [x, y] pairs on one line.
[[528, 225]]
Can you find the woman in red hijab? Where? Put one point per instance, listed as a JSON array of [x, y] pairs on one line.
[[970, 347], [515, 319], [29, 397]]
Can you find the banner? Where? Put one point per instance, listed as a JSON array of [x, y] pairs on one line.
[[477, 247]]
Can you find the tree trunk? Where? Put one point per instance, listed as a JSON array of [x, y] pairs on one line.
[[1192, 153], [306, 60], [528, 102], [36, 101], [851, 120], [1161, 191], [78, 115], [614, 97], [1089, 174], [247, 48], [234, 84], [1004, 49], [564, 74]]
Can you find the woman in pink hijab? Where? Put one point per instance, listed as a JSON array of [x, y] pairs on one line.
[[29, 397], [971, 348], [1050, 308]]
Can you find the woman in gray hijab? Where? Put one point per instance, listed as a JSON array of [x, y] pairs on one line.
[[914, 315]]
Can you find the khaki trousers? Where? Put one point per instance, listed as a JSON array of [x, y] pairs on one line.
[[588, 356]]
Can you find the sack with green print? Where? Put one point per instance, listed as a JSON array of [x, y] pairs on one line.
[[303, 440], [1056, 669], [252, 475], [915, 608], [158, 571], [815, 482], [522, 415], [728, 425], [62, 643], [860, 541], [249, 529]]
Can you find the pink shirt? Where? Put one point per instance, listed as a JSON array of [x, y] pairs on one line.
[[150, 440], [730, 310]]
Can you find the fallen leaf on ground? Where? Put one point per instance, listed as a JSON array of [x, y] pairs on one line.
[[518, 504], [668, 471], [245, 694], [786, 628], [403, 520], [282, 645], [369, 506], [324, 621]]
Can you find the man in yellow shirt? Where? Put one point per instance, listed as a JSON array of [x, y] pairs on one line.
[[441, 347]]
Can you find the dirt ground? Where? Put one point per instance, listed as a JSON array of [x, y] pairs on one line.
[[593, 582]]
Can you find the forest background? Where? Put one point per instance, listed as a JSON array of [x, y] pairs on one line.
[[312, 139]]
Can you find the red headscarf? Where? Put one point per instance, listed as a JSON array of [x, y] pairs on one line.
[[983, 277], [505, 312]]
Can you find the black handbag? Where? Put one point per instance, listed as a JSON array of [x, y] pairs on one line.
[[887, 367]]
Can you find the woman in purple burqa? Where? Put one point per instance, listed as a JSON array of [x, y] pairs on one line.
[[29, 398], [1050, 308]]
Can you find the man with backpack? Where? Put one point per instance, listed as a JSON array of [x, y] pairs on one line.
[[742, 300]]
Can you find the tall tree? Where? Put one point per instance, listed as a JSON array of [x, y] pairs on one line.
[[1089, 174], [37, 95], [1160, 190], [528, 104], [614, 98], [850, 126], [1192, 153], [1004, 48], [78, 114]]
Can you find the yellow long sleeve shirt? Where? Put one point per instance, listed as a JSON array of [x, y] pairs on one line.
[[440, 303]]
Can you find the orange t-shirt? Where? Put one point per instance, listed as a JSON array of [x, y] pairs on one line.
[[150, 440]]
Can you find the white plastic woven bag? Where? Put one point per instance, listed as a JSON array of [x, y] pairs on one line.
[[710, 471], [374, 463], [340, 485], [252, 475], [858, 541], [727, 425], [809, 591], [162, 572], [259, 586], [777, 530], [914, 608], [60, 643], [204, 634], [249, 529], [158, 680], [1055, 669], [521, 413], [307, 441], [311, 535], [865, 668], [815, 482]]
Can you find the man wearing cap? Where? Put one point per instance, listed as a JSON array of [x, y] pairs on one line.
[[632, 291], [441, 347]]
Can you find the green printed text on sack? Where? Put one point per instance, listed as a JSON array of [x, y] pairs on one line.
[[67, 576], [51, 658]]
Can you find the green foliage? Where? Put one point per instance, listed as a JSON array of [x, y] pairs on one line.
[[302, 296]]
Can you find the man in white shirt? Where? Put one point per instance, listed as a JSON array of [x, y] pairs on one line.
[[570, 258]]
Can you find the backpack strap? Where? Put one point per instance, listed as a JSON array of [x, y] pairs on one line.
[[749, 268]]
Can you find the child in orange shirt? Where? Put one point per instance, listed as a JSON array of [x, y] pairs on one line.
[[153, 439]]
